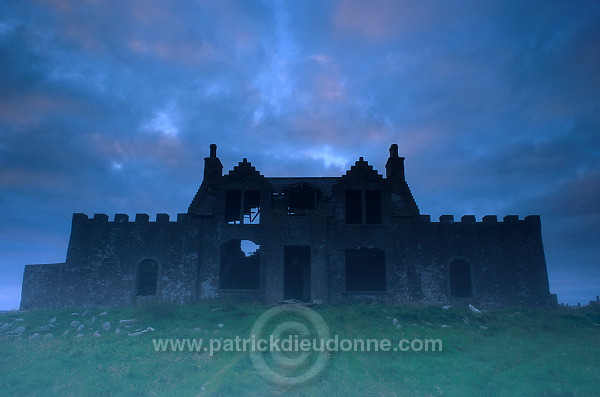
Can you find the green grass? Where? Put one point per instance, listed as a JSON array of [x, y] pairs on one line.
[[495, 353]]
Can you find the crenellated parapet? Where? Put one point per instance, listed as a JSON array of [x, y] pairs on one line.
[[487, 220], [79, 218], [99, 234], [359, 236]]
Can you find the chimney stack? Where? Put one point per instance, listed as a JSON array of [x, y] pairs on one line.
[[213, 169], [394, 168]]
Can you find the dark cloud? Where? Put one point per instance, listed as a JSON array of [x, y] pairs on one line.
[[110, 107]]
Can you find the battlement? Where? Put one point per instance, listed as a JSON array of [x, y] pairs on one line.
[[79, 218], [119, 260], [487, 219]]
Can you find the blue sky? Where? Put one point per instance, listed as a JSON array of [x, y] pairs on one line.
[[109, 107]]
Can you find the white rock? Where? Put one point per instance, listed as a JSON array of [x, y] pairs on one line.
[[52, 320], [65, 333], [44, 328], [141, 331], [446, 307], [106, 326], [395, 321], [127, 322], [220, 325], [74, 314], [445, 326], [94, 319], [18, 320], [5, 326], [483, 327], [35, 336], [97, 333], [474, 309], [75, 324], [79, 336], [80, 328], [103, 314], [48, 336], [86, 313], [197, 329], [118, 331], [19, 330]]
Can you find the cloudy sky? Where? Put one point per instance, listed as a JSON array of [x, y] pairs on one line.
[[109, 107]]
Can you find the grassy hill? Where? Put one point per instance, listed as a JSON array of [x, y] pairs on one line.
[[516, 352]]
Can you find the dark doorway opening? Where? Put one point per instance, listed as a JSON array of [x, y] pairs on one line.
[[460, 279], [296, 272], [147, 278]]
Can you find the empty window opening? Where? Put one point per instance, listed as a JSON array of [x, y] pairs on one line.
[[372, 207], [354, 206], [296, 273], [240, 265], [147, 278], [363, 207], [242, 207], [233, 203], [460, 279], [365, 270], [301, 198]]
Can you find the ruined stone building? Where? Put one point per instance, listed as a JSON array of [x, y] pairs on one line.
[[357, 237]]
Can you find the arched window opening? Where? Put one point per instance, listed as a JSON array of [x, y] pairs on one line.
[[147, 279], [460, 279]]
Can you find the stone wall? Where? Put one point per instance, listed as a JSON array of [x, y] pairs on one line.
[[411, 255], [41, 286]]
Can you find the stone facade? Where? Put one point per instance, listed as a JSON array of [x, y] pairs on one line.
[[358, 237]]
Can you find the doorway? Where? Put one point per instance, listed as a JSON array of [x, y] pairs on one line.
[[296, 272], [460, 279]]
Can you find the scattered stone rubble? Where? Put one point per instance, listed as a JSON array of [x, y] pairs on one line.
[[88, 325]]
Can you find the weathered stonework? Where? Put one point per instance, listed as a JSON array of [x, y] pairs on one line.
[[358, 237]]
